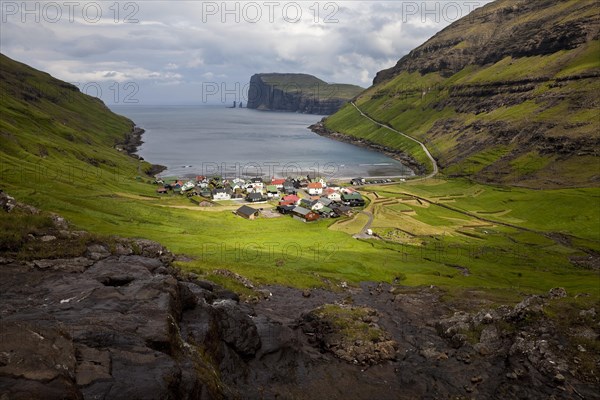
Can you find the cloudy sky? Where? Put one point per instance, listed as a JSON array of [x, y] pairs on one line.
[[194, 52]]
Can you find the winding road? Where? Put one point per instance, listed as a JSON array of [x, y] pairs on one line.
[[434, 172], [434, 164]]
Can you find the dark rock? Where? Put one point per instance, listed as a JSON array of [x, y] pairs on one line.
[[557, 293], [237, 328]]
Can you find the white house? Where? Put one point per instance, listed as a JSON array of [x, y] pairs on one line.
[[221, 194], [315, 188], [332, 194], [257, 183]]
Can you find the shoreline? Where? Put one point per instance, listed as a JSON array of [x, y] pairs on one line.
[[408, 161], [133, 140], [131, 143]]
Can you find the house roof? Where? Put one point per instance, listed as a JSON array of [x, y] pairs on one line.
[[315, 185], [228, 191], [255, 195], [301, 210], [342, 209], [352, 196], [246, 211], [308, 202], [277, 181], [271, 188], [325, 201], [326, 209], [291, 197], [256, 180]]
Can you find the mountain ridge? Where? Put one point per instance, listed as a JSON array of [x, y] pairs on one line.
[[514, 109]]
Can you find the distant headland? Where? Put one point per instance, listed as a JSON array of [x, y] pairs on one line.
[[298, 93]]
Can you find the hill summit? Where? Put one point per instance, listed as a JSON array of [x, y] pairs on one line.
[[507, 94]]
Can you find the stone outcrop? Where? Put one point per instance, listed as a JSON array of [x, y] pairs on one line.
[[297, 93], [113, 319]]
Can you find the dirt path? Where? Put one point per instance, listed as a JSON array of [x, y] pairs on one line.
[[425, 149], [363, 233]]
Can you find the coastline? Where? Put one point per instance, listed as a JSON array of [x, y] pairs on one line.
[[131, 143], [320, 129]]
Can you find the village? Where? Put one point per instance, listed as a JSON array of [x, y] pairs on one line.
[[303, 199]]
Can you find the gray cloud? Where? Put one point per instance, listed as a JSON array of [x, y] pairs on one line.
[[176, 46]]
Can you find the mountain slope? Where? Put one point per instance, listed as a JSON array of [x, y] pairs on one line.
[[298, 92], [505, 95], [56, 143]]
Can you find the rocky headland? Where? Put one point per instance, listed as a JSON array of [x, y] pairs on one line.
[[298, 93]]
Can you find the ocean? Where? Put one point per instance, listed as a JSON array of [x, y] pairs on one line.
[[215, 140]]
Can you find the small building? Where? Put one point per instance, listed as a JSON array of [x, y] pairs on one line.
[[162, 190], [189, 185], [304, 214], [342, 210], [285, 209], [325, 201], [307, 203], [315, 188], [290, 199], [257, 183], [221, 194], [272, 191], [255, 197], [278, 182], [327, 212], [289, 187], [353, 199], [332, 194], [247, 212]]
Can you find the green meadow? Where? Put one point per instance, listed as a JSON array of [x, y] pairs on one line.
[[58, 153], [459, 235]]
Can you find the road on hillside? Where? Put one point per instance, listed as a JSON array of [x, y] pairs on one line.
[[363, 233], [425, 149]]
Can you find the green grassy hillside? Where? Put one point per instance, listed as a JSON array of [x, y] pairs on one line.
[[508, 95], [57, 153], [57, 144]]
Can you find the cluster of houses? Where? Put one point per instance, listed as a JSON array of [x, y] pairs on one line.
[[319, 199], [324, 201]]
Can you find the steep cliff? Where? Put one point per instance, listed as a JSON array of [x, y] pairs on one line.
[[506, 94], [298, 93]]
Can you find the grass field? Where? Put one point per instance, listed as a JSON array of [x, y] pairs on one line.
[[58, 154], [435, 245]]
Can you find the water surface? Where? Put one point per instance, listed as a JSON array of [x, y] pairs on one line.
[[192, 140]]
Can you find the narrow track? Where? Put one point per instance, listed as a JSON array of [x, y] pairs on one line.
[[434, 164]]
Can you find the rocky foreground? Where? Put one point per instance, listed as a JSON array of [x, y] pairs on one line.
[[115, 320]]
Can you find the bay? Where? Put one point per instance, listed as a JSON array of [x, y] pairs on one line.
[[215, 140]]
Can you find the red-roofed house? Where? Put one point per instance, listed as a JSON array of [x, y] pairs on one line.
[[278, 183], [289, 200], [332, 194], [315, 188]]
